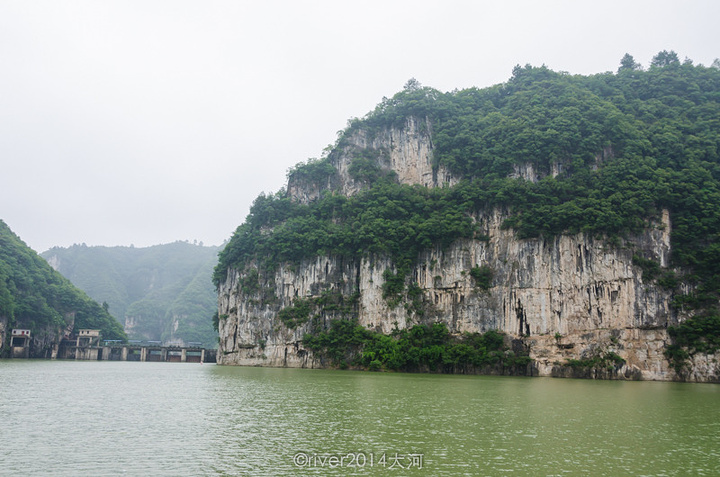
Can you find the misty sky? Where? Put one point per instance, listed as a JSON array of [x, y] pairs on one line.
[[146, 122]]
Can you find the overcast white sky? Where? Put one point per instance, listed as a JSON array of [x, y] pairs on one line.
[[145, 122]]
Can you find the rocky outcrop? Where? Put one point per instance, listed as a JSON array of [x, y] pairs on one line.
[[571, 297], [3, 333], [407, 152]]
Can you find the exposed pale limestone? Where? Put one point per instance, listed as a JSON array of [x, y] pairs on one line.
[[130, 323], [704, 368], [642, 350], [407, 151], [54, 262], [525, 171]]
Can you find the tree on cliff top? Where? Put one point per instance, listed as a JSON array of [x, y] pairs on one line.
[[628, 63]]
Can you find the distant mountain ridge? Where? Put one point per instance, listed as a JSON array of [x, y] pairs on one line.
[[162, 293]]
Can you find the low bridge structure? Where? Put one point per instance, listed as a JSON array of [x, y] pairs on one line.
[[94, 349]]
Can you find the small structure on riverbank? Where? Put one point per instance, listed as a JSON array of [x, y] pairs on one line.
[[88, 338], [20, 343]]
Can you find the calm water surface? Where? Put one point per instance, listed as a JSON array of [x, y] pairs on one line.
[[125, 418]]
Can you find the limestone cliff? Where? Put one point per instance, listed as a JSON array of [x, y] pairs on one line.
[[406, 152], [567, 298]]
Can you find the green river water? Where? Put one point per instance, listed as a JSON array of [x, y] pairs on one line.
[[126, 418]]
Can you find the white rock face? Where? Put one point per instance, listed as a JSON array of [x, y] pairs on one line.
[[568, 297], [54, 262], [407, 151]]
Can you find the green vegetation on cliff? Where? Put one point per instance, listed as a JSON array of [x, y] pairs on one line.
[[389, 218], [608, 152], [420, 348], [36, 297], [700, 334]]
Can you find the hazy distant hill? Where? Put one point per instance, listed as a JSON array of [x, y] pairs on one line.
[[163, 292], [34, 296]]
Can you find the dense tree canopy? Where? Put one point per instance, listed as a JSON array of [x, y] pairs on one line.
[[34, 296], [419, 348]]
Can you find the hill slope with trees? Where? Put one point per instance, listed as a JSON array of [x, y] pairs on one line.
[[34, 296]]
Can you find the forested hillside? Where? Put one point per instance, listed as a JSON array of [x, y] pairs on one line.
[[163, 292], [34, 296], [602, 154]]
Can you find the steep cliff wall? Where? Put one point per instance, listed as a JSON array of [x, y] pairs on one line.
[[406, 151], [571, 297]]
